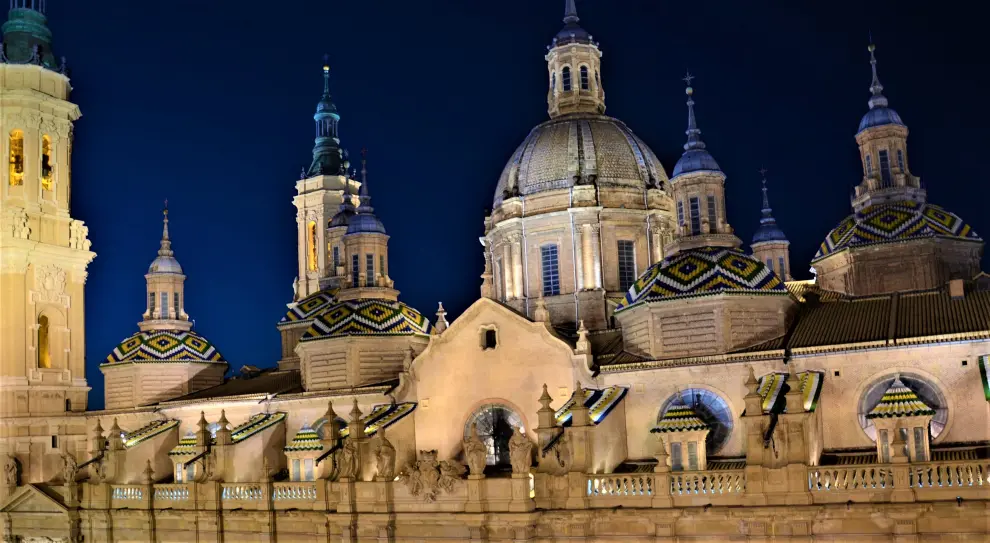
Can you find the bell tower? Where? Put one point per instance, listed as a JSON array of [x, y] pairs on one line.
[[320, 191], [44, 252], [573, 63]]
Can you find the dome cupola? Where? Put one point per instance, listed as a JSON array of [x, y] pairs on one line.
[[27, 38], [880, 112], [574, 64], [165, 262], [328, 157], [769, 244], [768, 229], [695, 157]]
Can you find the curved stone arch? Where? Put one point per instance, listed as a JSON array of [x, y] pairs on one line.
[[716, 441], [944, 412], [57, 341], [511, 407]]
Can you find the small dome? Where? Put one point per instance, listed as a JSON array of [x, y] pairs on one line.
[[546, 159], [894, 221], [342, 218], [696, 160], [368, 317], [880, 116], [768, 232], [365, 223], [325, 105], [165, 264], [165, 346], [571, 33], [703, 271]]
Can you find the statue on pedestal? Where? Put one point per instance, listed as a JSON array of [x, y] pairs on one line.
[[475, 452], [520, 452], [385, 457]]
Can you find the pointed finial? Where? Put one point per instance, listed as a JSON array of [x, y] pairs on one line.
[[878, 99], [545, 398], [442, 323], [326, 75], [330, 415], [223, 422], [364, 165], [752, 384], [355, 412], [570, 12], [693, 133], [98, 430], [766, 201], [149, 473], [166, 245]]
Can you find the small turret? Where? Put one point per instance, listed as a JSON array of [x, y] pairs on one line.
[[328, 157], [769, 244]]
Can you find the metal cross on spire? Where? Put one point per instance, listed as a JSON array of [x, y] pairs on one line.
[[687, 78]]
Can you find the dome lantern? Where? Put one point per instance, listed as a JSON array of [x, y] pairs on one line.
[[165, 301], [769, 244], [328, 157], [574, 65]]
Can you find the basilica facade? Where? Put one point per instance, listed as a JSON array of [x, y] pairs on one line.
[[631, 370]]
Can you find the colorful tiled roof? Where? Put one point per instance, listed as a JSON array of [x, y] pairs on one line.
[[307, 439], [679, 418], [772, 384], [148, 431], [254, 425], [368, 317], [706, 270], [383, 416], [894, 221], [899, 401], [599, 403], [165, 346], [310, 306], [985, 375]]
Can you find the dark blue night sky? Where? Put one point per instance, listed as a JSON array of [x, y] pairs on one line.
[[210, 104]]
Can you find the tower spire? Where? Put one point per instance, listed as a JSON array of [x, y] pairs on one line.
[[766, 202], [328, 158], [693, 132], [570, 12], [363, 194], [166, 246], [876, 89]]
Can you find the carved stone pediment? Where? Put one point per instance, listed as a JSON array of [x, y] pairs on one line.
[[49, 282], [32, 499]]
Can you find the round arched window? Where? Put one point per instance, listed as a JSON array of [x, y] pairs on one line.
[[496, 423], [926, 392], [711, 409]]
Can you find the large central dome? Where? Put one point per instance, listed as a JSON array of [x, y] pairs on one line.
[[577, 149]]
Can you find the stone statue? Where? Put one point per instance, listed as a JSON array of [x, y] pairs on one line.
[[69, 468], [520, 452], [10, 471], [347, 460], [385, 457], [475, 452]]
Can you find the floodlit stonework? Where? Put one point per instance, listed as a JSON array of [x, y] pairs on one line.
[[628, 373]]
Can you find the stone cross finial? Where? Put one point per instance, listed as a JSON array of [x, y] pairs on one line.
[[583, 344]]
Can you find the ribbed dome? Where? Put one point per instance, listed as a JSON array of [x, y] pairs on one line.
[[768, 232], [365, 223], [558, 151], [696, 160], [165, 264], [879, 117]]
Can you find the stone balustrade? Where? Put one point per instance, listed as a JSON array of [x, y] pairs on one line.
[[950, 475], [127, 493], [850, 478], [621, 485], [171, 492], [242, 492], [690, 483], [304, 491]]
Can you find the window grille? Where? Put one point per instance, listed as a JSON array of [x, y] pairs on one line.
[[695, 216], [627, 264], [551, 275]]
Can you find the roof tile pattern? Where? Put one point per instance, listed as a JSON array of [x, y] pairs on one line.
[[310, 306], [306, 439], [894, 221], [679, 418], [599, 403], [900, 401], [368, 317], [702, 271], [165, 346]]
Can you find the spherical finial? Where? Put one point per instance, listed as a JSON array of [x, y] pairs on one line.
[[872, 48], [689, 91], [326, 68]]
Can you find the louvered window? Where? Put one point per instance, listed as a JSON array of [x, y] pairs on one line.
[[676, 463], [695, 216]]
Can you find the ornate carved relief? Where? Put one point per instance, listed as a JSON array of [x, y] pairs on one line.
[[428, 476], [49, 282]]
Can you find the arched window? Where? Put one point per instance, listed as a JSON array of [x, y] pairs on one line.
[[926, 392], [711, 409], [44, 347], [496, 422], [585, 84], [565, 78], [47, 177], [321, 426], [16, 158], [311, 245]]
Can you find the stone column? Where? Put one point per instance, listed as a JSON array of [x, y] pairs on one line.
[[507, 269], [587, 258], [597, 255], [517, 267], [577, 241], [301, 253], [656, 245]]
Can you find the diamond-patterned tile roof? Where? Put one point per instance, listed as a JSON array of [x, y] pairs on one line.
[[899, 401], [368, 317], [165, 346], [894, 221], [679, 418], [307, 439], [706, 270], [310, 306]]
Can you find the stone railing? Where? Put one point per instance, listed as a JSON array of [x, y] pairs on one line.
[[242, 492], [621, 485], [950, 475], [171, 492], [689, 483], [305, 491], [850, 478], [127, 493]]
